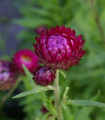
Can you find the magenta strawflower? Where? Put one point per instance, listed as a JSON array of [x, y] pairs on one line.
[[44, 76], [39, 29], [26, 57], [7, 75], [59, 48]]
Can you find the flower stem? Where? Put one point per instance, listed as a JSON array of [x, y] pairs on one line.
[[57, 97], [4, 99], [97, 19]]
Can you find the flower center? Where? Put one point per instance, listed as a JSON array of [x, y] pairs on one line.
[[26, 58], [56, 40]]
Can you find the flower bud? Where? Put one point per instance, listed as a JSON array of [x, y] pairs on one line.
[[43, 76]]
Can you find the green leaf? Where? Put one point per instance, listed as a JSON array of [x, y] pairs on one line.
[[33, 22], [84, 113], [38, 89], [95, 59], [31, 11], [62, 72], [67, 113], [65, 93], [29, 77], [88, 103], [51, 106], [33, 85]]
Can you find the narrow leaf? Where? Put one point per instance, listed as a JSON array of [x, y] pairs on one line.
[[88, 103], [32, 22], [84, 113], [29, 77], [63, 74], [40, 89]]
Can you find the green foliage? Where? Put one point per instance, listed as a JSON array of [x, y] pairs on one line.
[[29, 77], [85, 103], [84, 113], [30, 84], [62, 73], [36, 90]]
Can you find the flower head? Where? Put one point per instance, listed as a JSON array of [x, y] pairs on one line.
[[59, 48], [26, 57], [44, 76], [7, 75]]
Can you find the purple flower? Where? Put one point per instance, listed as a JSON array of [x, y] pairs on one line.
[[59, 48], [7, 75]]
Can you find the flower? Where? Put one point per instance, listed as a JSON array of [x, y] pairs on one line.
[[43, 76], [7, 75], [59, 48], [39, 29], [26, 57]]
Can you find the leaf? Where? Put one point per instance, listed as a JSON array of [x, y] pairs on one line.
[[84, 113], [39, 89], [34, 11], [62, 72], [65, 93], [33, 22], [51, 106], [94, 60], [88, 103], [33, 85], [29, 77], [67, 113]]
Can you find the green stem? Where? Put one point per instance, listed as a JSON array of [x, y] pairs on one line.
[[97, 20], [57, 97], [4, 99]]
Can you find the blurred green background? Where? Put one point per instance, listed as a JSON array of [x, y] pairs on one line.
[[18, 22]]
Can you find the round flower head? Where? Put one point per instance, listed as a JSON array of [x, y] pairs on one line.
[[59, 48], [43, 76], [7, 75], [26, 57]]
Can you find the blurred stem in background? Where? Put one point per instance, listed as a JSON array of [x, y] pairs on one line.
[[2, 44], [5, 98], [96, 18], [57, 97]]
